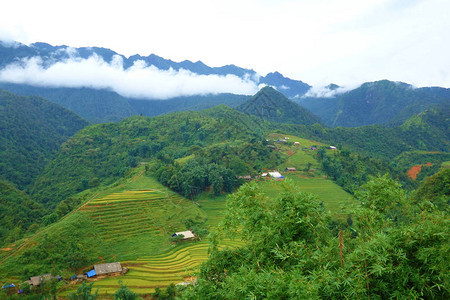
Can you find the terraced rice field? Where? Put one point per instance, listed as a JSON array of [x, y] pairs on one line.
[[127, 214], [148, 272], [135, 226]]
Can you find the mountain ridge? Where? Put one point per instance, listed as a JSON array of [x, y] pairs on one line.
[[271, 105], [50, 54], [380, 102]]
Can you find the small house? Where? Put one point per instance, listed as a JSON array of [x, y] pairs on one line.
[[291, 169], [332, 148], [296, 143], [245, 177], [263, 174], [38, 280], [313, 148], [276, 175], [281, 141], [186, 234], [108, 268]]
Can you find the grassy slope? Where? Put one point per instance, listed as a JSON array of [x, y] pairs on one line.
[[334, 198]]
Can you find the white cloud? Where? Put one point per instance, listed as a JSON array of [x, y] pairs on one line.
[[140, 80], [326, 91]]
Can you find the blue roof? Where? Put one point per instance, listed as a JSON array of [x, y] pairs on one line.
[[8, 286], [91, 273]]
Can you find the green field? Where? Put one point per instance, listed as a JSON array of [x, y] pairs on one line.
[[333, 197], [308, 176]]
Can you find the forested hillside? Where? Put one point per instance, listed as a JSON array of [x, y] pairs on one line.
[[103, 153], [32, 130], [271, 105], [151, 108], [100, 154], [380, 102], [100, 106], [95, 106], [426, 131], [18, 213]]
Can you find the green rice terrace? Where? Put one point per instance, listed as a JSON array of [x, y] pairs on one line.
[[135, 222]]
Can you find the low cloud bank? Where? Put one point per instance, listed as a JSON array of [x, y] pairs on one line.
[[138, 81], [327, 91]]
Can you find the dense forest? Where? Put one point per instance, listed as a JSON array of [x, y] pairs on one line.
[[32, 129], [101, 154]]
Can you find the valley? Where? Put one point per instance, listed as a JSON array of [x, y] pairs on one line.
[[282, 194]]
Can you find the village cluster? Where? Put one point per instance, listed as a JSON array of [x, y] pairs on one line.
[[98, 271], [274, 173]]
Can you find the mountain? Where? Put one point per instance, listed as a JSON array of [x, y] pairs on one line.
[[102, 153], [14, 53], [288, 87], [32, 130], [102, 106], [380, 102], [95, 106], [152, 108], [271, 105]]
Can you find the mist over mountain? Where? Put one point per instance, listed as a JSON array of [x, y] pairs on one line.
[[101, 85], [147, 77], [380, 102]]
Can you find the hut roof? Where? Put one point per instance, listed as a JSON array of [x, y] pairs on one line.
[[35, 280], [108, 268], [187, 234], [91, 273], [275, 174]]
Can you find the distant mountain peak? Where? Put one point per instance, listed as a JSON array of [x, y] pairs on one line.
[[272, 105], [332, 86]]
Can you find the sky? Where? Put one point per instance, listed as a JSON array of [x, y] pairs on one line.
[[346, 42]]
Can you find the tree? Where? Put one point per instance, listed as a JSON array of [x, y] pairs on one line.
[[124, 293], [391, 248], [84, 292]]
